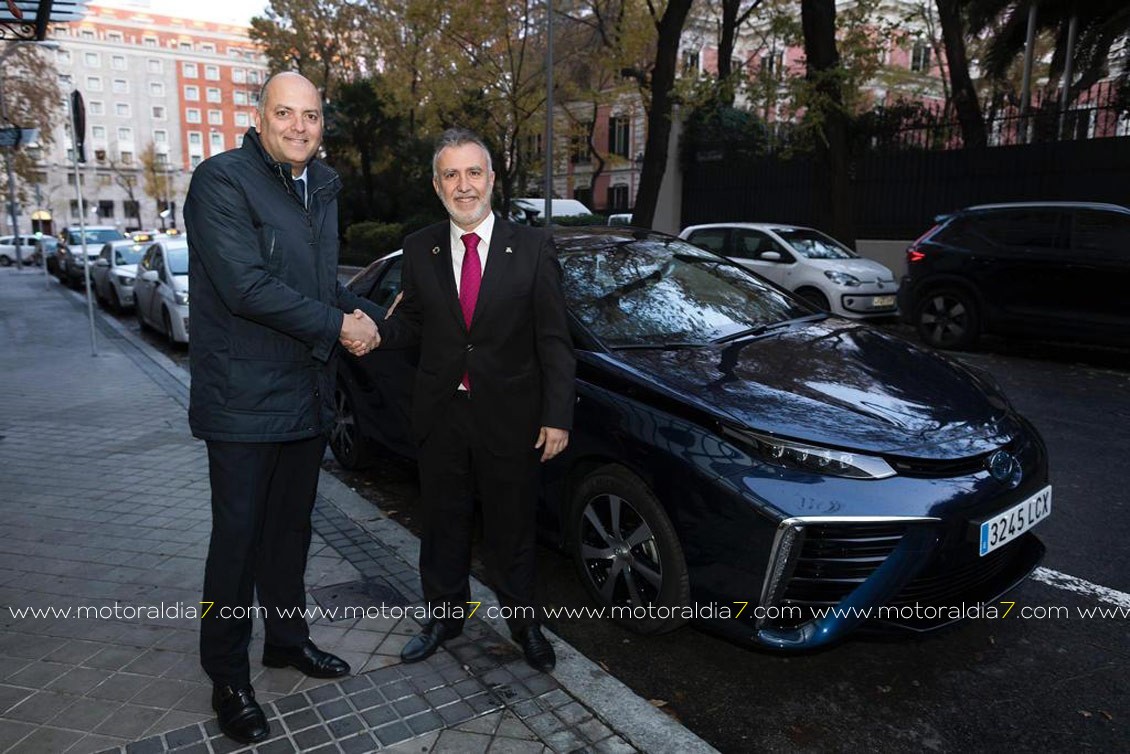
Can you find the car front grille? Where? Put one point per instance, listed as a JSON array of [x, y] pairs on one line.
[[947, 467], [948, 582]]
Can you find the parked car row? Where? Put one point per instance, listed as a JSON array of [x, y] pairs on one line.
[[735, 445], [144, 272]]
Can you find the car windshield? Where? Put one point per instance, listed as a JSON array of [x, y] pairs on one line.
[[648, 290], [178, 259], [94, 235], [129, 254], [814, 244]]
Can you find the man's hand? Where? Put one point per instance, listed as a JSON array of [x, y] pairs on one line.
[[554, 441], [359, 334]]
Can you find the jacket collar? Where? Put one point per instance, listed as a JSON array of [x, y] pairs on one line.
[[318, 172]]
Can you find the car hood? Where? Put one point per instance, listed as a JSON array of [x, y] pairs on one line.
[[840, 384], [866, 270]]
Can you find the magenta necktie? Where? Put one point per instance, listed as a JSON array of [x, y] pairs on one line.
[[470, 277]]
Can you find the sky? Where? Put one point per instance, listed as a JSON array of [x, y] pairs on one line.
[[225, 11]]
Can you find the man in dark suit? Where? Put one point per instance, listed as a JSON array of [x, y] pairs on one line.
[[493, 393]]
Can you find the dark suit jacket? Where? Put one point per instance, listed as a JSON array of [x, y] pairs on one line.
[[518, 351]]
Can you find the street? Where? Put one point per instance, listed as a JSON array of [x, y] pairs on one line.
[[1053, 679]]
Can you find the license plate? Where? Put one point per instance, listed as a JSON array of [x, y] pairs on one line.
[[1010, 524], [880, 302]]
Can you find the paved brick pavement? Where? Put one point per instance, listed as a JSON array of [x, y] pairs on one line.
[[104, 507]]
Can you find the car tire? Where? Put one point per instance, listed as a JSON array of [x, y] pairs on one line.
[[167, 321], [115, 302], [5, 262], [142, 325], [626, 551], [816, 298], [948, 318], [347, 441]]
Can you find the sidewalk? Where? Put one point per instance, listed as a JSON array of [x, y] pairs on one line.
[[104, 505]]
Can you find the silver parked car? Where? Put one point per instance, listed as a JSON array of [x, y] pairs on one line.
[[114, 272], [161, 289]]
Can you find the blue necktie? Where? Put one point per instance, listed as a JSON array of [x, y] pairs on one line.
[[300, 188]]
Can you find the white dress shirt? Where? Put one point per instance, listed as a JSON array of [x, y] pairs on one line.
[[483, 230]]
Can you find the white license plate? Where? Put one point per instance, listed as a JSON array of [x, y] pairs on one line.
[[880, 302], [1010, 524]]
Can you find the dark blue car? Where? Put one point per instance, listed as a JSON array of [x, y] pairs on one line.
[[744, 461]]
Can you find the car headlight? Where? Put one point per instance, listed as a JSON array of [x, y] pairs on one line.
[[813, 458], [181, 297], [841, 278], [124, 280]]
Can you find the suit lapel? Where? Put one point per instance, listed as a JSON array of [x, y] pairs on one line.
[[445, 272], [499, 258]]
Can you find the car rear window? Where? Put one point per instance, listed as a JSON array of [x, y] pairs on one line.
[[1096, 230]]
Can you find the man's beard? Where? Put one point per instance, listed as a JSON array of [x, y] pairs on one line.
[[469, 217]]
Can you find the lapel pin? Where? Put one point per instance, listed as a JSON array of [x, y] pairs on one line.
[[435, 249], [509, 250]]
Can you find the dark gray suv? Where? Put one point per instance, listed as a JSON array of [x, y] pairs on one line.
[[1054, 270]]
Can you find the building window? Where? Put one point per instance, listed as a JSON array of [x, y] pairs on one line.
[[239, 140], [207, 47], [98, 133], [160, 136], [125, 133], [103, 179], [579, 145], [583, 195], [216, 117], [213, 94], [105, 208], [66, 81], [212, 73], [114, 36], [127, 158], [121, 109], [920, 57], [195, 139], [192, 115], [161, 158], [192, 93], [188, 70], [238, 75], [121, 86], [92, 60], [63, 57], [194, 160], [690, 61], [118, 63], [87, 34], [93, 84], [153, 65], [242, 119], [186, 46], [240, 97], [131, 208], [217, 142], [618, 133], [158, 112], [617, 198], [156, 89], [252, 77], [149, 41], [96, 107]]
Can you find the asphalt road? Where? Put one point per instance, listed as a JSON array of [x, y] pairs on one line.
[[1053, 684]]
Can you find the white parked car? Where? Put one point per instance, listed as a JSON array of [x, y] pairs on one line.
[[114, 272], [161, 290], [815, 266], [8, 250]]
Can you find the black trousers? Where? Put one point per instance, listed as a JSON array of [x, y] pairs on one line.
[[454, 467], [262, 496]]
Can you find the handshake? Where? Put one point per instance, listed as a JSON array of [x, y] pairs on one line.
[[359, 333]]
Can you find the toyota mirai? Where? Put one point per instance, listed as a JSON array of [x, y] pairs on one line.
[[744, 461]]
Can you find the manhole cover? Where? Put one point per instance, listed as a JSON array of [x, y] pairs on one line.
[[358, 595]]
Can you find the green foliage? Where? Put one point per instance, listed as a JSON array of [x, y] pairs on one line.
[[367, 241]]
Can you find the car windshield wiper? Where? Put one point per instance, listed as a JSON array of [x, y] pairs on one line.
[[753, 332], [676, 346]]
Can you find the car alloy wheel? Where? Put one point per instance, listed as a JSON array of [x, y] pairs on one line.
[[349, 447], [168, 322], [948, 319], [115, 302], [5, 262], [627, 552]]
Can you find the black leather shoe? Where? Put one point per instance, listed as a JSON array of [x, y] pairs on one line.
[[307, 658], [424, 644], [539, 652], [240, 716]]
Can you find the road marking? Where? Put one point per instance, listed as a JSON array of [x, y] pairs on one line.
[[1079, 586]]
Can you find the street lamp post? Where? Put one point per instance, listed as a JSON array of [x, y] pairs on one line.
[[13, 213]]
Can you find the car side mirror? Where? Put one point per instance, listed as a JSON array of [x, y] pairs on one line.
[[101, 262], [770, 256], [150, 276]]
